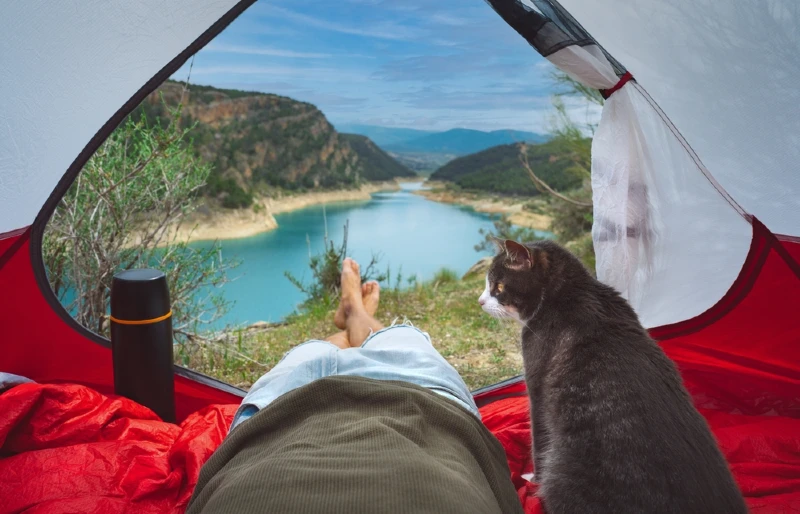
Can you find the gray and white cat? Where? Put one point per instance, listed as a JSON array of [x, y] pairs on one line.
[[614, 429]]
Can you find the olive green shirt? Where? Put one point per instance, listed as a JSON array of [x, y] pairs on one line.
[[352, 445]]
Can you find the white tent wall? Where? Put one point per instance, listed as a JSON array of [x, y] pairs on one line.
[[726, 74], [660, 226], [663, 235], [66, 68]]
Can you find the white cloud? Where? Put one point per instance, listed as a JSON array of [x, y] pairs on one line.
[[383, 30], [317, 74], [262, 50], [448, 19]]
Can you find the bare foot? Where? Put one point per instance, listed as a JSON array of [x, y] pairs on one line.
[[370, 295], [351, 292]]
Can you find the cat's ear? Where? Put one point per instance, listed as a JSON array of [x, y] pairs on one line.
[[518, 257]]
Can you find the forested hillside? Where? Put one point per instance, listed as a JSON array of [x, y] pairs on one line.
[[500, 170]]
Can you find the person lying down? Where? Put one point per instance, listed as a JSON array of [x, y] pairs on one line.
[[369, 419]]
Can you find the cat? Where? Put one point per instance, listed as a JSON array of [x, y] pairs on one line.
[[614, 429]]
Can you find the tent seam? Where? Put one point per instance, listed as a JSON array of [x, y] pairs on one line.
[[762, 244], [692, 154], [14, 233], [15, 246]]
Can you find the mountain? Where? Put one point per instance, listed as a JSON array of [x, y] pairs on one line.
[[499, 170], [258, 140], [425, 151], [463, 141], [383, 135], [378, 165]]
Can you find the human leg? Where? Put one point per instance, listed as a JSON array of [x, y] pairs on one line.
[[358, 322], [370, 297], [340, 339]]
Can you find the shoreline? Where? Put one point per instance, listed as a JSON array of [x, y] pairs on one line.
[[217, 224], [508, 206]]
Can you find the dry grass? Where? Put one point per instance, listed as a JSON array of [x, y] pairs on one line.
[[484, 350]]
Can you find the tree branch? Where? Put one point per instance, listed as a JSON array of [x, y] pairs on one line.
[[541, 183]]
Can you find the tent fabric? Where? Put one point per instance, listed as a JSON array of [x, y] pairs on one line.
[[743, 355], [726, 74], [660, 224], [68, 68], [696, 238]]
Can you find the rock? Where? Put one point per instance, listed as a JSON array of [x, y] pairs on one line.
[[479, 268], [265, 325]]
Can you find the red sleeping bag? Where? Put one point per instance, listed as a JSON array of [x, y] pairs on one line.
[[68, 449], [763, 452]]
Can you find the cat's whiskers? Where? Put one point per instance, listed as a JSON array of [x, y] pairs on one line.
[[498, 312]]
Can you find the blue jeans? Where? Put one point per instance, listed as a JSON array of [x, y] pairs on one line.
[[400, 352]]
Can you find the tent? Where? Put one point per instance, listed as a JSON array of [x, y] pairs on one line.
[[694, 176]]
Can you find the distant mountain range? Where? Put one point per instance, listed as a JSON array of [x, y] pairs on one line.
[[383, 136], [464, 141], [454, 142]]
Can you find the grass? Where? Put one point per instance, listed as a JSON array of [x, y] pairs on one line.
[[484, 350], [445, 276]]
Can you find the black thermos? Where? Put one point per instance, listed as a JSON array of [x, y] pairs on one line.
[[141, 340]]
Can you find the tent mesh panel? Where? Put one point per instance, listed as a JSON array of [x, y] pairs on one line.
[[547, 26]]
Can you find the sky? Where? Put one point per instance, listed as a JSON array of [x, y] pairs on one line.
[[424, 64]]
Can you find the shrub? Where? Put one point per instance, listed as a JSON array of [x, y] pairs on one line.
[[503, 229], [326, 270], [115, 216], [445, 276]]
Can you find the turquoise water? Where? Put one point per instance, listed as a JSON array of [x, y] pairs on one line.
[[407, 230]]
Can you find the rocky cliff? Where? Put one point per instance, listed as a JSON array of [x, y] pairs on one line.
[[257, 141]]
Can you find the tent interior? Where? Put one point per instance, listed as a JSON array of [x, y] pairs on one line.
[[696, 209]]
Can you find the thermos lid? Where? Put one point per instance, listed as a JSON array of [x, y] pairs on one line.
[[139, 294]]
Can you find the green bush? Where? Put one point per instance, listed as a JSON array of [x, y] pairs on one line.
[[445, 276], [326, 270], [143, 178], [503, 229], [233, 196]]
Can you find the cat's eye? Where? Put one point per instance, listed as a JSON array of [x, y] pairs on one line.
[[499, 287]]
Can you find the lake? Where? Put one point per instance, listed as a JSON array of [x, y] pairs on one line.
[[405, 229]]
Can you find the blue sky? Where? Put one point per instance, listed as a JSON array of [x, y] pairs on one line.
[[424, 64]]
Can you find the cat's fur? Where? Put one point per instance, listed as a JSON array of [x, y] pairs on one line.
[[614, 429]]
